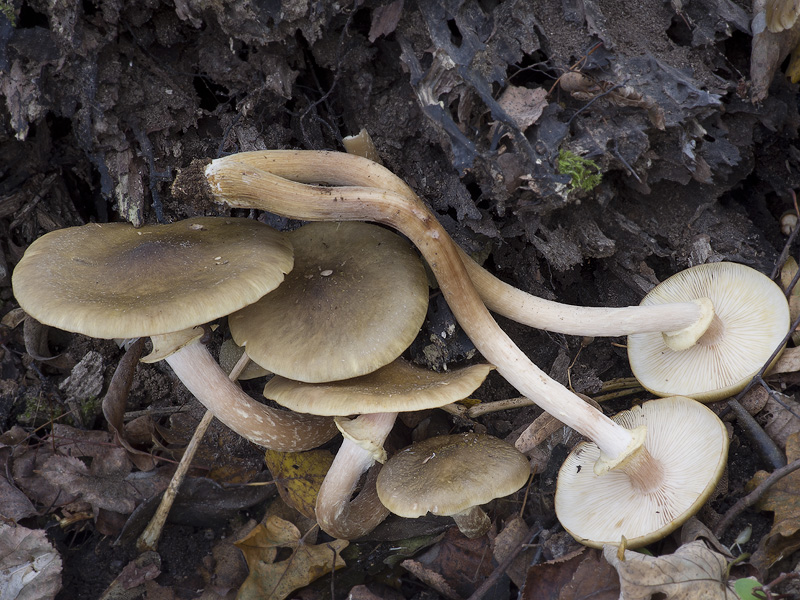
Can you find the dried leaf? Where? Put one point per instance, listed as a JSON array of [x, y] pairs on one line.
[[108, 483], [523, 105], [545, 581], [385, 19], [461, 562], [507, 541], [430, 578], [783, 498], [277, 580], [779, 419], [693, 572], [116, 399], [298, 476], [594, 579], [30, 568]]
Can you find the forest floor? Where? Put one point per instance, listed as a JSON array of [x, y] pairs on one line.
[[582, 150]]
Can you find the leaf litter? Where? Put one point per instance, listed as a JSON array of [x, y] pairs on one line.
[[658, 101]]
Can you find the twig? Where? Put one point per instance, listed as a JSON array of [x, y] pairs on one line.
[[753, 497], [501, 568], [148, 540]]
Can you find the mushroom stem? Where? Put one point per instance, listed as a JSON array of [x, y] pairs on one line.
[[242, 185], [473, 522], [337, 168], [280, 430], [337, 514]]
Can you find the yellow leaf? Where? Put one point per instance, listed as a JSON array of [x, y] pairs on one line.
[[277, 580], [298, 476], [793, 70]]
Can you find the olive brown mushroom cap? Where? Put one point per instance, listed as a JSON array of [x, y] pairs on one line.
[[354, 302], [397, 387], [112, 280], [449, 474], [751, 318], [689, 445]]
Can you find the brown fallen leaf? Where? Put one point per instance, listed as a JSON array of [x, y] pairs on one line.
[[779, 419], [277, 580], [298, 476], [523, 105], [30, 568], [108, 484], [515, 532], [691, 573], [462, 563], [581, 575], [783, 498]]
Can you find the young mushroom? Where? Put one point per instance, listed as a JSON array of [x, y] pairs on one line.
[[241, 184], [451, 476], [355, 300], [114, 281], [377, 397], [689, 445]]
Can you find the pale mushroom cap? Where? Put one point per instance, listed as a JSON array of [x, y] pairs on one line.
[[353, 303], [448, 474], [755, 316], [397, 387], [111, 280], [690, 443]]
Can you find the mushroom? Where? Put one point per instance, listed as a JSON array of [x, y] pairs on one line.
[[377, 397], [750, 319], [114, 281], [689, 445], [355, 300], [452, 475], [241, 184]]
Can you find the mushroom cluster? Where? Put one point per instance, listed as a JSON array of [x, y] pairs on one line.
[[355, 297], [285, 182]]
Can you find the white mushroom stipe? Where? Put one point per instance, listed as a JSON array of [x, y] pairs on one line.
[[279, 429]]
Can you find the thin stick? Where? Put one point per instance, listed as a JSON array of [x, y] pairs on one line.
[[148, 541], [503, 566], [754, 496]]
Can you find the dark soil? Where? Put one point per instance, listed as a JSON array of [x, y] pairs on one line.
[[105, 101]]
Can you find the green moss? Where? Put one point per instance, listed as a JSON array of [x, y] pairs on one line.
[[8, 11], [585, 174]]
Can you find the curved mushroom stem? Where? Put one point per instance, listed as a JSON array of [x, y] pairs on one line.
[[473, 522], [337, 514], [337, 168], [281, 430], [242, 185]]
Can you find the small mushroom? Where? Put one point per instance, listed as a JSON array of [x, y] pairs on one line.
[[452, 475], [355, 300], [114, 281], [690, 447], [377, 397], [750, 320]]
